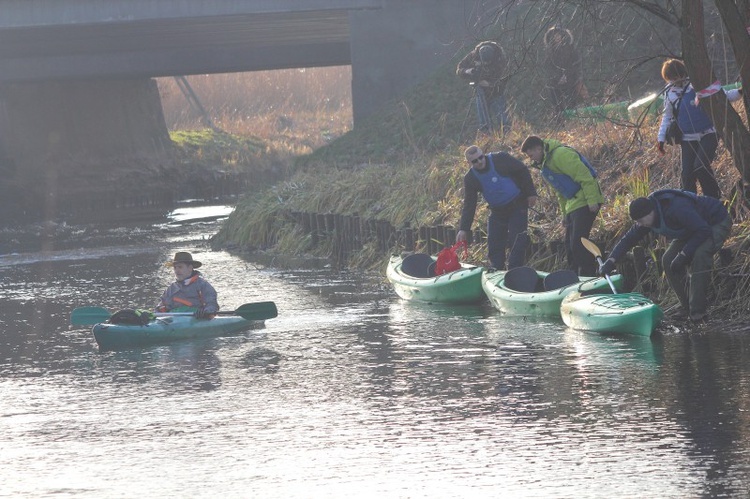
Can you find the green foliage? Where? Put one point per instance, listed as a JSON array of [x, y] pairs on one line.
[[218, 147]]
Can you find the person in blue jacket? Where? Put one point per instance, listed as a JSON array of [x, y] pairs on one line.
[[697, 227], [699, 139], [506, 185]]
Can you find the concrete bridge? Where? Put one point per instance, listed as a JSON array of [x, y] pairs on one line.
[[76, 75]]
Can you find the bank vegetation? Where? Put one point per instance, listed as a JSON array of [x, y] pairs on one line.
[[405, 166]]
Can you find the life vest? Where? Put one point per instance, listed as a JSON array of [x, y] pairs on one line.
[[497, 190], [667, 195], [561, 182], [690, 117], [184, 301]]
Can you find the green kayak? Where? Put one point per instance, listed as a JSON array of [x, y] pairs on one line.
[[413, 279], [526, 292], [165, 329], [629, 313]]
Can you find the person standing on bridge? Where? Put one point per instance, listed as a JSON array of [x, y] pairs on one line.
[[506, 185], [190, 289], [484, 69]]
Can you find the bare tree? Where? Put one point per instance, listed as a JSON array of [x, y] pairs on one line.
[[687, 16]]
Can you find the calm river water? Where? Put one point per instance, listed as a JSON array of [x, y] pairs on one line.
[[350, 392]]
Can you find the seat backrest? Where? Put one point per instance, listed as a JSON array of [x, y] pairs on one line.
[[418, 265], [559, 279], [523, 279]]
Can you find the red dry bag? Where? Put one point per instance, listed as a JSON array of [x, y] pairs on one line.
[[447, 259]]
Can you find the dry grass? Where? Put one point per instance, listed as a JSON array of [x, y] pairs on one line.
[[294, 111]]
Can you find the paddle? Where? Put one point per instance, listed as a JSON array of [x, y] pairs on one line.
[[86, 316], [594, 250]]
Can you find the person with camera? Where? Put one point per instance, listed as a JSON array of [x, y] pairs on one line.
[[484, 69], [686, 124]]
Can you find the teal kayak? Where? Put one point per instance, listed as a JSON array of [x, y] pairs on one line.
[[536, 300], [165, 329], [413, 279], [628, 313]]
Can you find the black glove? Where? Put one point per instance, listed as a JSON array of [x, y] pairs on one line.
[[201, 313], [679, 263], [607, 267]]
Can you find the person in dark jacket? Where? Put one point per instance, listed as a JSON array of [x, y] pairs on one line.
[[697, 226], [564, 68], [506, 185], [190, 289], [484, 68]]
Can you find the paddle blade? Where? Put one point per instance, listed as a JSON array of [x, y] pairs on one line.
[[257, 311], [88, 316], [591, 247]]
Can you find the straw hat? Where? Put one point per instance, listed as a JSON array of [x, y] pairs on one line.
[[184, 257]]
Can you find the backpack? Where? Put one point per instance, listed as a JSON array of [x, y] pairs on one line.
[[447, 259], [132, 317]]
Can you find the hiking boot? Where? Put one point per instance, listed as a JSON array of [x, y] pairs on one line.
[[698, 316], [679, 314]]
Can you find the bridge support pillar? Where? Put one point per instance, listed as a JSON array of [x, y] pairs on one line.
[[62, 139], [397, 47]]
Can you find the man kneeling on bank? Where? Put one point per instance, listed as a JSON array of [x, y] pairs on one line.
[[697, 226]]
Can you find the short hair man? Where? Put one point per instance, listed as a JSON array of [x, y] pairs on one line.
[[506, 185]]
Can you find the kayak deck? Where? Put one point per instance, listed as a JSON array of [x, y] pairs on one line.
[[628, 313], [463, 286], [538, 303], [168, 329]]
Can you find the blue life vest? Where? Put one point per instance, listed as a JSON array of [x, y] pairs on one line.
[[668, 194], [496, 189], [691, 118], [561, 182]]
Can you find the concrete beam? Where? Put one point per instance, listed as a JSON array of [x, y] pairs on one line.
[[26, 13], [186, 61]]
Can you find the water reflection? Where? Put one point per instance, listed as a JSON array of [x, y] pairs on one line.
[[350, 389]]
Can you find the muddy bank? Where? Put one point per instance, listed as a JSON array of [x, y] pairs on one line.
[[60, 189]]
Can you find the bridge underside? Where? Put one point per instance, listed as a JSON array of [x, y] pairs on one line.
[[76, 82], [170, 47]]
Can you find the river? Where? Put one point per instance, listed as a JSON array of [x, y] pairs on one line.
[[349, 392]]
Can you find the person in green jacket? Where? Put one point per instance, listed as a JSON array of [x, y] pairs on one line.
[[578, 193]]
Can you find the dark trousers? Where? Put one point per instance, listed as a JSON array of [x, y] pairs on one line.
[[578, 224], [506, 230], [697, 156]]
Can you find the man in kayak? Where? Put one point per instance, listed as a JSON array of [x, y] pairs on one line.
[[506, 185], [578, 193], [697, 226], [190, 289]]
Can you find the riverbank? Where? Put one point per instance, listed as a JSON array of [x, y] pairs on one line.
[[417, 182], [201, 164]]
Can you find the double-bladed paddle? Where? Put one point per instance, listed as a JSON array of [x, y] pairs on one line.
[[594, 250], [88, 316]]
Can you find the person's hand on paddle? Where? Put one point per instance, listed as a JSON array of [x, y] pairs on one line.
[[679, 262], [660, 148], [607, 267], [462, 236], [201, 313]]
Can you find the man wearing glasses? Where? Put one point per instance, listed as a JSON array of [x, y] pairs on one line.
[[506, 185]]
